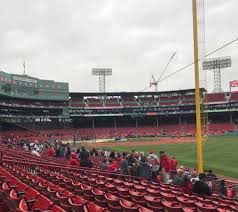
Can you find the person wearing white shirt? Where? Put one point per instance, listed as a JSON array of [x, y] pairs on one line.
[[35, 153]]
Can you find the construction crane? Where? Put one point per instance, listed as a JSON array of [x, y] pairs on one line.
[[154, 83]]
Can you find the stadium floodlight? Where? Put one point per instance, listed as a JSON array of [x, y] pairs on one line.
[[102, 73], [216, 64]]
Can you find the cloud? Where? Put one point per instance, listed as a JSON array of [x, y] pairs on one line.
[[64, 39]]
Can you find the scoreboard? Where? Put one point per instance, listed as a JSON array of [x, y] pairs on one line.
[[24, 86]]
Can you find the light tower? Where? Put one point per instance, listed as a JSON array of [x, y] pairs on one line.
[[215, 65], [102, 73]]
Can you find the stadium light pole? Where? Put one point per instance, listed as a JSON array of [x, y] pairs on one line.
[[197, 89]]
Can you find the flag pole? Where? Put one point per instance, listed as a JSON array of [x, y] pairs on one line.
[[197, 89]]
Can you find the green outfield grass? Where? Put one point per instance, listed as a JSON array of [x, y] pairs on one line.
[[220, 154]]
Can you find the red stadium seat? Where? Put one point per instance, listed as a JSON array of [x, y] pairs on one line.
[[87, 192], [172, 207], [143, 209], [77, 203], [185, 202], [40, 203], [137, 197], [99, 197], [124, 193], [168, 197], [128, 185], [56, 208], [201, 207], [91, 207], [153, 203], [101, 184], [111, 188], [128, 206], [153, 192]]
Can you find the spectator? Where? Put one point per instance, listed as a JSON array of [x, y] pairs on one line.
[[124, 165], [104, 164], [174, 163], [201, 187], [154, 163], [67, 152], [178, 178], [35, 153], [73, 161], [144, 169], [61, 151], [83, 154], [50, 151], [210, 175], [131, 159], [85, 162], [112, 155], [112, 165], [164, 166], [188, 186], [25, 147]]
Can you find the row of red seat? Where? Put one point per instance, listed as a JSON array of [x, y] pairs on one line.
[[109, 132], [70, 187], [156, 196]]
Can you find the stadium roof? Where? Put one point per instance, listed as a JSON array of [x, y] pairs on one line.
[[82, 94]]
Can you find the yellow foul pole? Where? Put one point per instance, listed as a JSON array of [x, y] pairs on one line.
[[197, 89]]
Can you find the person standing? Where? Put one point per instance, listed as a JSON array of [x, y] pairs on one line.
[[164, 166], [174, 163], [124, 167]]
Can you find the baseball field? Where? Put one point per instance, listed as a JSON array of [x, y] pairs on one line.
[[220, 153]]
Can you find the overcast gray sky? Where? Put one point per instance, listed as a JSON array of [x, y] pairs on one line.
[[64, 39]]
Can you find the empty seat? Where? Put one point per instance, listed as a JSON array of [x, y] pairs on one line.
[[137, 197], [56, 208], [128, 206], [91, 207], [153, 192], [172, 206], [99, 197], [111, 188], [63, 198], [87, 192], [201, 207], [41, 203], [168, 197], [77, 203], [101, 184], [153, 203], [185, 202]]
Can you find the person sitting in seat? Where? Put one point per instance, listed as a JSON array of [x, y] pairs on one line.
[[113, 166], [201, 187], [83, 154], [86, 162], [50, 151], [35, 153], [188, 186], [104, 164], [73, 161], [178, 178], [210, 175]]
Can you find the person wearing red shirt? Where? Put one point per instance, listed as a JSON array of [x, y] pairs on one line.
[[50, 151], [188, 186], [174, 164], [113, 166], [74, 161], [165, 166]]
